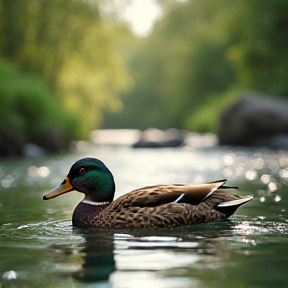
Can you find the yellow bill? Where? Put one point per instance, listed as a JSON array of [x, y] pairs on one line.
[[63, 188]]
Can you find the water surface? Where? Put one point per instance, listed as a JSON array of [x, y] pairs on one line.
[[39, 247]]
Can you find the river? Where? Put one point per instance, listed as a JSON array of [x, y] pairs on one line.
[[39, 247]]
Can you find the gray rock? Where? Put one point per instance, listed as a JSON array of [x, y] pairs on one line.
[[34, 151], [154, 138], [255, 119]]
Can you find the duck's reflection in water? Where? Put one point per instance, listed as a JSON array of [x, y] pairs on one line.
[[114, 257], [98, 256]]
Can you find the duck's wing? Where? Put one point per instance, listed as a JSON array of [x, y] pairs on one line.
[[153, 196]]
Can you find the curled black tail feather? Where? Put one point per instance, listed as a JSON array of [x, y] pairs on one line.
[[222, 186], [229, 187]]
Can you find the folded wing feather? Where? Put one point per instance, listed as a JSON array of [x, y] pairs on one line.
[[162, 194]]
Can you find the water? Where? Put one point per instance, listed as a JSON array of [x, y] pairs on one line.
[[39, 247]]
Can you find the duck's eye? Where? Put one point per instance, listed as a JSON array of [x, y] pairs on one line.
[[82, 170]]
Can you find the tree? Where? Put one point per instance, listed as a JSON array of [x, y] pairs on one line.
[[180, 66], [260, 56], [72, 47]]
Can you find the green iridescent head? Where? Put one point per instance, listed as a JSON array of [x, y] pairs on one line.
[[89, 176]]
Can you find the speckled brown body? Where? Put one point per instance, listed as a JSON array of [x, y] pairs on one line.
[[146, 207]]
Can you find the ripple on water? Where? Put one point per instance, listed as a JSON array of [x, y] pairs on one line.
[[262, 226], [140, 254], [41, 232], [197, 237]]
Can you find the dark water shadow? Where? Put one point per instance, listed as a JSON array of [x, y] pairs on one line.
[[100, 247], [98, 256]]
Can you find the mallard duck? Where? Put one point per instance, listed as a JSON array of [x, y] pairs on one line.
[[153, 206]]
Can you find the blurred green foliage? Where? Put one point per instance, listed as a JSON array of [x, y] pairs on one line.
[[259, 45], [206, 117], [199, 58], [74, 49], [29, 112]]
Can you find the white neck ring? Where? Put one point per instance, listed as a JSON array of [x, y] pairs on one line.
[[95, 203]]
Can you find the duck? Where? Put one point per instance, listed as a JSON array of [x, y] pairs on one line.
[[147, 207]]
